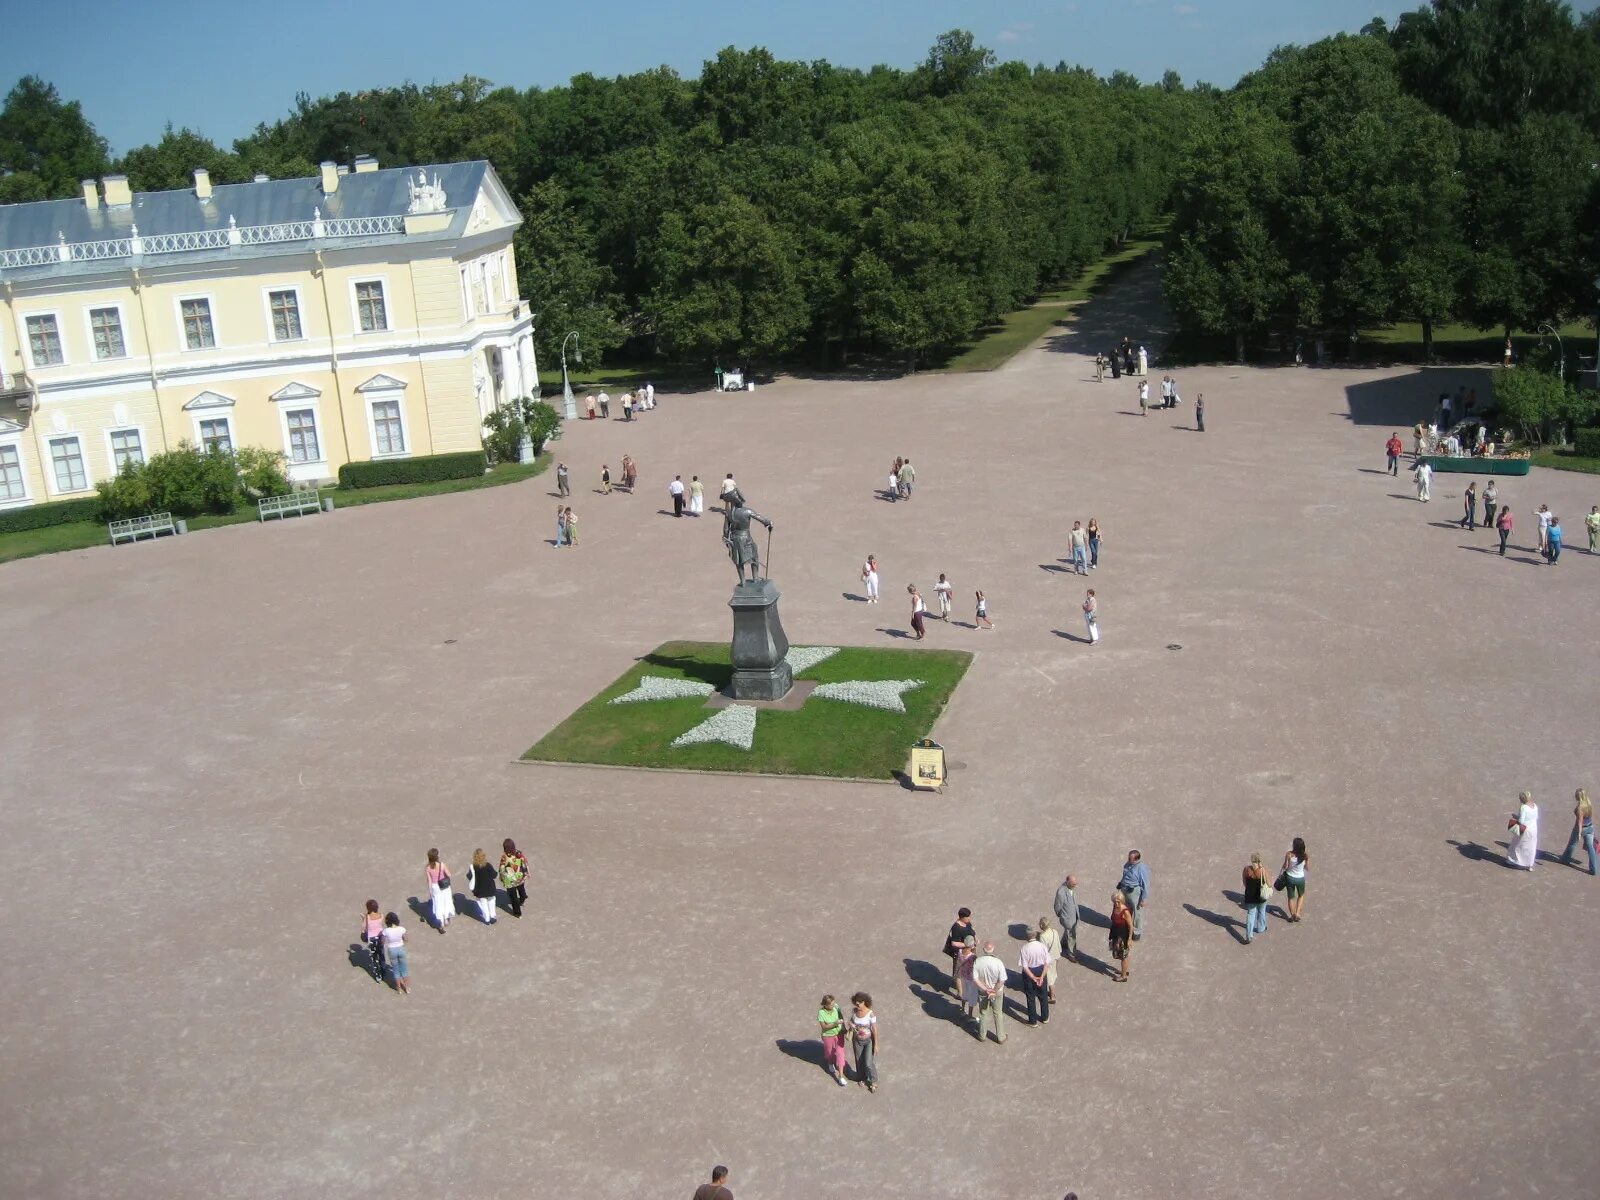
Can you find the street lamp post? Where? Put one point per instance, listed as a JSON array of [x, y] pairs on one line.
[[566, 384], [1561, 352]]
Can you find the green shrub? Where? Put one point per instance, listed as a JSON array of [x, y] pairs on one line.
[[1586, 442], [430, 468], [185, 482], [503, 429], [262, 473], [37, 516]]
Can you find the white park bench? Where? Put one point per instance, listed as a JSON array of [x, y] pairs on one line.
[[292, 505], [134, 528]]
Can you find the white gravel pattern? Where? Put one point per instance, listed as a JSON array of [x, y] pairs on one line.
[[735, 725], [662, 687], [872, 693]]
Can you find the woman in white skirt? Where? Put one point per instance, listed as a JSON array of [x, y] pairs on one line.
[[697, 496], [869, 576], [439, 891], [1091, 615]]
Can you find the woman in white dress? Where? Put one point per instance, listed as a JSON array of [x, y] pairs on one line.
[[1524, 829], [869, 576], [440, 891]]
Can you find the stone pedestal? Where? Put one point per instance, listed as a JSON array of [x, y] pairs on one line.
[[759, 643]]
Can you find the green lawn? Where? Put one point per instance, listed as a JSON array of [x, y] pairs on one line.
[[78, 535], [1462, 343], [825, 737], [1018, 330], [1565, 460], [621, 378]]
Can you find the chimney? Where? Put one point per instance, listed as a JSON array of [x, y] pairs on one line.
[[365, 163], [330, 178], [259, 179], [343, 170], [202, 183], [118, 194], [91, 195]]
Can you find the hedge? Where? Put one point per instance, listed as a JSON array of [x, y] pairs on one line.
[[1587, 442], [37, 516], [430, 468]]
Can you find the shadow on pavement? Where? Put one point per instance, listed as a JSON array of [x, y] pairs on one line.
[[1221, 920], [1400, 401], [1129, 306], [808, 1050]]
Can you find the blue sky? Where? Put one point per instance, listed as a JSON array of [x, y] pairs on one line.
[[221, 66]]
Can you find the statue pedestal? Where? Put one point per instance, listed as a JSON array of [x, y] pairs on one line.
[[759, 643]]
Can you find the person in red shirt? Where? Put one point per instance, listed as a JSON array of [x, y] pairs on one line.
[[1394, 446]]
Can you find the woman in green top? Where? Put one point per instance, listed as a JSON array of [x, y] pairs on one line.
[[831, 1021]]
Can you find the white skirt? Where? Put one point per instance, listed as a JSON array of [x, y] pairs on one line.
[[444, 903]]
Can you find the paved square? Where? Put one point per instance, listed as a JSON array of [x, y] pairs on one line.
[[218, 746]]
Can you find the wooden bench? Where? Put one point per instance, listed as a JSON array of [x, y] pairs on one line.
[[292, 505], [134, 528]]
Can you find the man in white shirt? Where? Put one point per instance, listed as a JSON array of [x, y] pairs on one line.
[[1166, 391], [1424, 476], [649, 395], [1144, 396], [728, 488], [1033, 960], [676, 488], [989, 974], [605, 407]]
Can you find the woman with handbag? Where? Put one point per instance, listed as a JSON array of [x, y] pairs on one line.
[[372, 935], [1523, 826], [1294, 878], [1257, 891], [1121, 932], [514, 876], [917, 609], [481, 878], [864, 1033], [443, 899]]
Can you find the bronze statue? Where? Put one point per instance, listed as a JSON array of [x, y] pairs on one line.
[[742, 550]]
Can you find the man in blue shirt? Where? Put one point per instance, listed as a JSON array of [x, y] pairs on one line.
[[1135, 887]]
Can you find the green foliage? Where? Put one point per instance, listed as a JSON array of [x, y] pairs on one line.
[[503, 429], [1538, 405], [169, 164], [261, 472], [46, 145], [429, 468], [39, 516], [185, 481], [1586, 442], [559, 268]]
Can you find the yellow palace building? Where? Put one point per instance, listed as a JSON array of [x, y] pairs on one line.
[[361, 314]]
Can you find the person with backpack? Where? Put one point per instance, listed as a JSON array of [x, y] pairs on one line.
[[514, 877]]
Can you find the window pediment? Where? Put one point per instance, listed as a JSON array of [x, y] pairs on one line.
[[381, 383], [207, 400], [295, 391]]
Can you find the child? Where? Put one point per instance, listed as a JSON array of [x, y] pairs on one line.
[[944, 591], [605, 479], [983, 613]]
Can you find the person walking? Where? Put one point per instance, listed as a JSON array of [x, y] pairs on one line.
[[1066, 909], [965, 987], [1080, 548], [908, 479], [372, 935], [1294, 879], [675, 490], [1099, 367], [482, 879], [1091, 616], [1582, 829], [982, 619], [1593, 523], [892, 491], [1051, 937], [1200, 412], [718, 1188], [831, 1023], [989, 974], [1121, 929], [561, 527], [439, 892], [917, 609], [960, 930], [563, 486], [627, 406], [1166, 391], [514, 876], [630, 473], [1423, 474], [728, 488], [1092, 530], [1553, 538], [1491, 497], [1523, 850], [1032, 961], [944, 591], [1116, 366], [572, 528], [1469, 505], [697, 496], [1394, 447], [650, 395], [394, 950], [1504, 523], [605, 479], [1144, 397], [869, 576], [588, 408], [1135, 888], [605, 406], [864, 1033], [1257, 891], [1543, 517]]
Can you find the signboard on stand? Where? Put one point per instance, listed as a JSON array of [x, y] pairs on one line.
[[926, 768]]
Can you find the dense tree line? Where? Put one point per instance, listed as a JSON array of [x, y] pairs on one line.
[[1442, 170], [765, 209]]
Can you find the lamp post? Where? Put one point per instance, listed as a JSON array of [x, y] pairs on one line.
[[566, 384], [1561, 351]]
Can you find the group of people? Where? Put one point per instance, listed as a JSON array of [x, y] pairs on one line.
[[387, 940], [1522, 850], [902, 478], [944, 593], [632, 402], [1126, 359]]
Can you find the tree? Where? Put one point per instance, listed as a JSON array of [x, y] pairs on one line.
[[169, 164], [955, 62], [561, 275], [1535, 403], [46, 145]]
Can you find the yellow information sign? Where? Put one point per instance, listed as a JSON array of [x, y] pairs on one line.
[[926, 768]]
